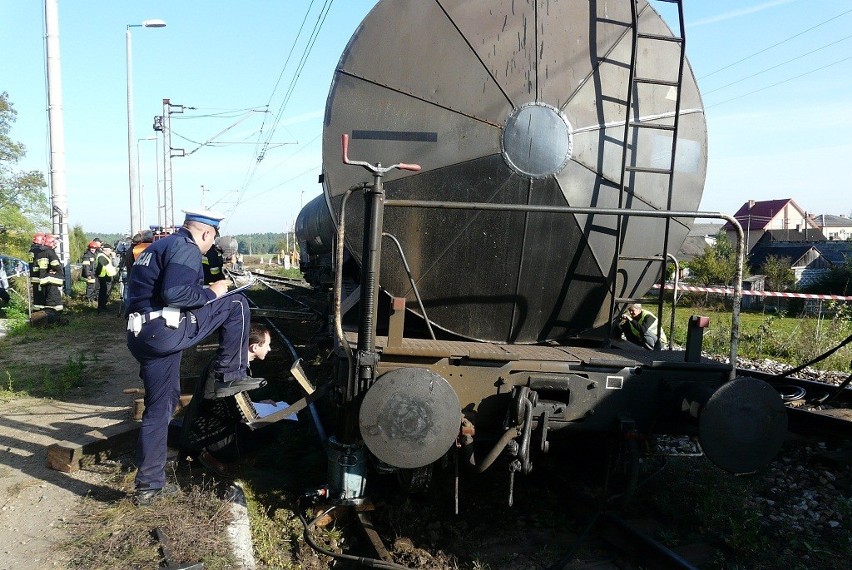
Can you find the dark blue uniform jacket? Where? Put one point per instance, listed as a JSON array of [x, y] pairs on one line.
[[168, 273]]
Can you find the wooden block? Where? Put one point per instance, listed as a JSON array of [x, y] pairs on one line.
[[139, 405], [93, 446]]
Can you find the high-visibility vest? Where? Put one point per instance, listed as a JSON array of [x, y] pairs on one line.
[[105, 263], [636, 326]]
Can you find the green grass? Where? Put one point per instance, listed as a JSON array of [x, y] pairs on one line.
[[28, 363], [789, 339]]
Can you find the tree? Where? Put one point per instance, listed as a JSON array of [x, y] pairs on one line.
[[23, 201], [78, 242], [779, 273], [717, 265]]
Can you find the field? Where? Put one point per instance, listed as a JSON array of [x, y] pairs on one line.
[[792, 340]]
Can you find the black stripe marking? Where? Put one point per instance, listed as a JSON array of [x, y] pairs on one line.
[[416, 136]]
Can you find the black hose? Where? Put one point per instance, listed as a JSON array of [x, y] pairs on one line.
[[819, 358], [839, 390], [360, 560]]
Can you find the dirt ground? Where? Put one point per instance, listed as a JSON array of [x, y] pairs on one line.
[[35, 500]]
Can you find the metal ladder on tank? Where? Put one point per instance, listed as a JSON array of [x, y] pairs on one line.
[[632, 127]]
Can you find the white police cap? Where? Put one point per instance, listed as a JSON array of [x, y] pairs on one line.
[[204, 216]]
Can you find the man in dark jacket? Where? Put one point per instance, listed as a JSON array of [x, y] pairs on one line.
[[51, 275], [640, 327], [105, 271], [88, 273], [168, 310], [36, 250]]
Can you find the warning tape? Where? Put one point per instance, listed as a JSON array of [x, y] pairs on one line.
[[730, 291]]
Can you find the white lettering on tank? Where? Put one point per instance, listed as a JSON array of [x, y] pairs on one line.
[[144, 259]]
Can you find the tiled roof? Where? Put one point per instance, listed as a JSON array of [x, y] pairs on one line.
[[792, 235], [829, 221], [760, 214], [837, 252], [793, 251]]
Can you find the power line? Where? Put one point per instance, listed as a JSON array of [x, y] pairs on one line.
[[291, 88], [776, 66], [300, 66], [777, 84], [261, 149], [775, 45]]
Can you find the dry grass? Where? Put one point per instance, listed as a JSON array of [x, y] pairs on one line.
[[122, 535]]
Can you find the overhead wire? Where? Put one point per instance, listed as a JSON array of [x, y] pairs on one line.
[[300, 66], [778, 83], [323, 14], [794, 36], [262, 147], [777, 66]]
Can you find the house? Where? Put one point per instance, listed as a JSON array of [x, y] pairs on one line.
[[783, 215], [806, 261], [834, 227], [837, 253], [753, 283]]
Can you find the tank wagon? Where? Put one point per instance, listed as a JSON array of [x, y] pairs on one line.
[[560, 152]]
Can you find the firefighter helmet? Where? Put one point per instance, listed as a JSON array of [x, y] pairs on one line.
[[93, 244], [49, 240], [39, 238]]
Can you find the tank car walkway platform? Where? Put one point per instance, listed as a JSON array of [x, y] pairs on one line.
[[620, 355]]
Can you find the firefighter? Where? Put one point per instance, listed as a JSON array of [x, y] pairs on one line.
[[35, 279], [105, 271], [51, 275], [88, 273], [213, 263]]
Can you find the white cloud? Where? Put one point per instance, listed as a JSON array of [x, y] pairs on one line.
[[738, 13]]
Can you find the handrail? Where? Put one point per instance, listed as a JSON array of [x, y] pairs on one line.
[[738, 277]]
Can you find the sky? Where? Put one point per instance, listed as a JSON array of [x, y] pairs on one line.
[[775, 77]]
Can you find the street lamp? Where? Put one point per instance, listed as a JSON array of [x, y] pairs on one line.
[[135, 221], [139, 179]]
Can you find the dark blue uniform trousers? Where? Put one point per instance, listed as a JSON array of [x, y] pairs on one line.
[[158, 349]]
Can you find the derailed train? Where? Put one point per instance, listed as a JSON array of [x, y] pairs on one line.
[[561, 155]]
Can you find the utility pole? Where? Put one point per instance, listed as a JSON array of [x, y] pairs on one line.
[[58, 196], [163, 123]]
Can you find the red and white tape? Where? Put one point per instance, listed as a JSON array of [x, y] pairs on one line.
[[730, 291]]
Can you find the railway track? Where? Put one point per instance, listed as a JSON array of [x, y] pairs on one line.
[[296, 313]]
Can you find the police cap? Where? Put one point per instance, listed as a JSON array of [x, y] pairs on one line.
[[204, 216]]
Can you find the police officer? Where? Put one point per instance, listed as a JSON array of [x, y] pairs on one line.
[[51, 274], [36, 250], [88, 271], [169, 310], [640, 327]]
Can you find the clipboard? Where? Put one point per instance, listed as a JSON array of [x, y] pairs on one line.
[[252, 280]]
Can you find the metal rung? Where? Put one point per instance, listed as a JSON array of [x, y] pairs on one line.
[[661, 38], [653, 126], [633, 300], [649, 170], [652, 81], [640, 258]]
